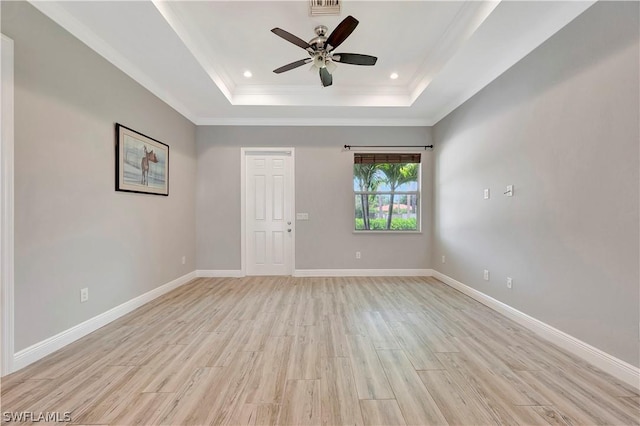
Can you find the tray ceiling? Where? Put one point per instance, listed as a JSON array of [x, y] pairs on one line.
[[194, 54]]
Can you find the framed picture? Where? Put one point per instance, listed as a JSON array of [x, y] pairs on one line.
[[142, 163]]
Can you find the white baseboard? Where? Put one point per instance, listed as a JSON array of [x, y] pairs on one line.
[[612, 365], [219, 273], [41, 349], [233, 273], [236, 273], [362, 272]]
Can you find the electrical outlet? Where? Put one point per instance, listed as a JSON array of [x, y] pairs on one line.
[[184, 260], [84, 295], [509, 282], [486, 275], [486, 193], [358, 255], [444, 259]]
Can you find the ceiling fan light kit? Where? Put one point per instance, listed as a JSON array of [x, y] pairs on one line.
[[320, 49]]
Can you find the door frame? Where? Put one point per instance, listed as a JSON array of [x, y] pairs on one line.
[[244, 152], [7, 198]]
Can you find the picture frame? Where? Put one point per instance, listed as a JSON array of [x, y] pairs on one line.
[[142, 163]]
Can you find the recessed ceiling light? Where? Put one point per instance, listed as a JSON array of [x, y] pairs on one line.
[[393, 76], [247, 74]]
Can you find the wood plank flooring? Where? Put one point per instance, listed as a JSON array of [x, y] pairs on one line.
[[318, 351]]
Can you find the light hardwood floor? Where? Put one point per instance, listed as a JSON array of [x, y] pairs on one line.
[[330, 351]]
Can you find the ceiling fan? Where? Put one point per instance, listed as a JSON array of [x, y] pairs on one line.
[[320, 49]]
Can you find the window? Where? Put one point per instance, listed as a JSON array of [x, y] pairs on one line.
[[386, 190]]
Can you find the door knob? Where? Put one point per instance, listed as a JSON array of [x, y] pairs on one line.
[[289, 230]]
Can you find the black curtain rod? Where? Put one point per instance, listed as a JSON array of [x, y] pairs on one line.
[[388, 146]]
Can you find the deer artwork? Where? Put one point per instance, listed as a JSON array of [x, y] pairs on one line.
[[149, 156]]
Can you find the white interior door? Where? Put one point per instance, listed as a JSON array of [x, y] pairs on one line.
[[269, 211]]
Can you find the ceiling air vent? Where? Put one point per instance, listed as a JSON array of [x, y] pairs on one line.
[[324, 7]]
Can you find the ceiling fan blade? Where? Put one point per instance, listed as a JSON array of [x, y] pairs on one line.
[[342, 31], [291, 38], [325, 77], [354, 59], [292, 65]]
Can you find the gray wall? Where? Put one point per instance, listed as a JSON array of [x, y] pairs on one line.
[[324, 189], [562, 126], [72, 229]]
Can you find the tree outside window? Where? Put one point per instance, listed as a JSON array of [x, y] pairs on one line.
[[387, 192]]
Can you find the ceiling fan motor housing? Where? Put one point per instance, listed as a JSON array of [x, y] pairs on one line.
[[321, 30], [318, 42]]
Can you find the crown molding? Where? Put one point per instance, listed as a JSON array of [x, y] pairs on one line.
[[316, 95], [60, 16], [466, 22], [194, 42], [464, 25], [503, 59], [445, 80], [339, 122]]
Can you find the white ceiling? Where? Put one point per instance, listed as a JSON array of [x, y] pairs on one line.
[[192, 55]]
